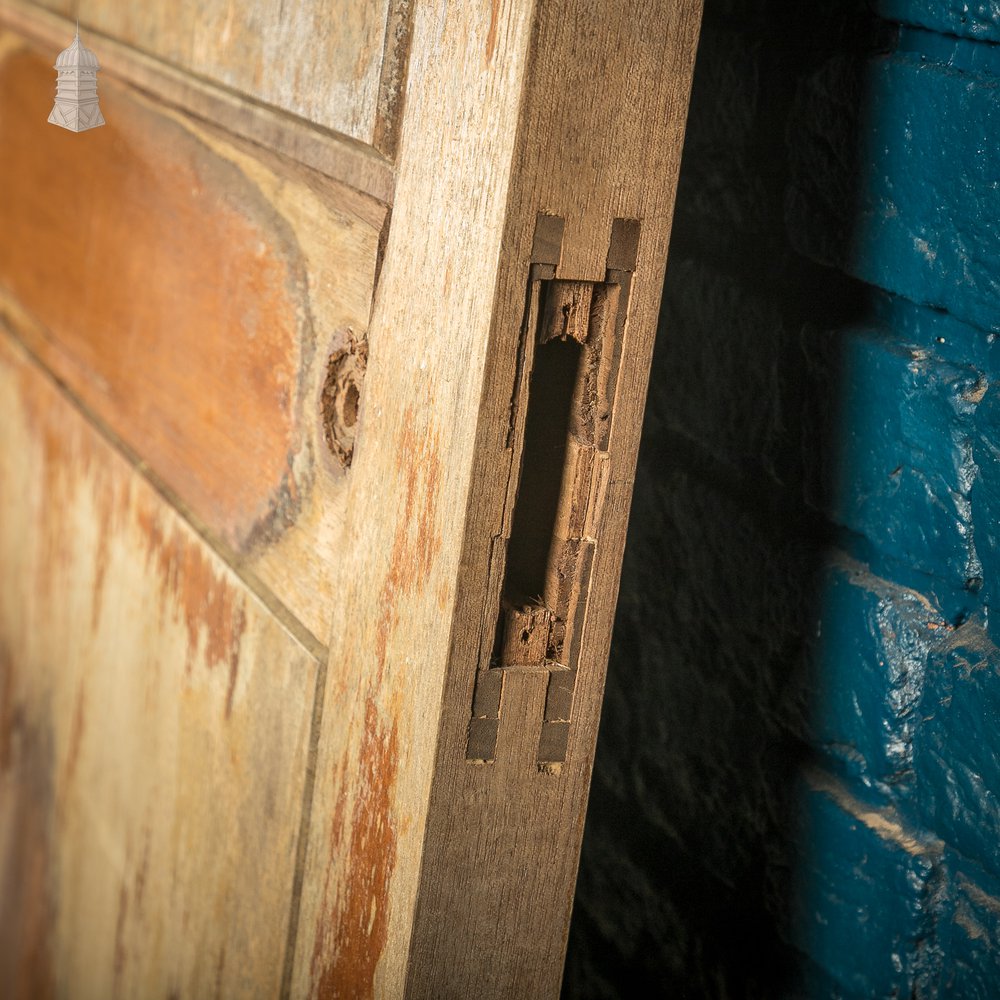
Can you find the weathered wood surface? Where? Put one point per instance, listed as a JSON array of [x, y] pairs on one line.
[[353, 163], [154, 731], [422, 873], [599, 139], [334, 64], [407, 500], [189, 289], [563, 108]]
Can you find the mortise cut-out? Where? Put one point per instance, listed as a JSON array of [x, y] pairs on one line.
[[561, 415], [533, 551]]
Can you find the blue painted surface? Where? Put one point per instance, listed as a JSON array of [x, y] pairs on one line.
[[923, 166], [928, 220], [898, 892], [978, 19], [955, 759], [968, 932], [874, 640], [904, 456], [851, 856]]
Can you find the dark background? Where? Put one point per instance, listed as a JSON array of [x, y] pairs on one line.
[[686, 881]]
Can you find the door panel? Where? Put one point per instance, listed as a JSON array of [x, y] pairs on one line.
[[334, 63], [190, 290], [268, 404], [153, 730]]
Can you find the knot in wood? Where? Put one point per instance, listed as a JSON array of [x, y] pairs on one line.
[[340, 401]]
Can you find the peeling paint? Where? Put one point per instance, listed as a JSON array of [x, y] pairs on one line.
[[353, 934], [360, 917]]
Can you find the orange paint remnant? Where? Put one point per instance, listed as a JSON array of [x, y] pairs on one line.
[[359, 922], [348, 946], [239, 624], [491, 35], [171, 294], [213, 610], [416, 541]]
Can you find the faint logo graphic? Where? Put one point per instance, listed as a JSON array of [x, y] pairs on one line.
[[76, 106]]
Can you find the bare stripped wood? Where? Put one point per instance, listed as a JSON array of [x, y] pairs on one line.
[[189, 289], [351, 162], [154, 731], [539, 143], [328, 63], [571, 110], [599, 140], [408, 491]]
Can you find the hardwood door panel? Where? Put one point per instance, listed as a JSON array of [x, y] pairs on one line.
[[355, 164], [190, 289], [201, 300], [338, 64], [154, 730], [407, 501]]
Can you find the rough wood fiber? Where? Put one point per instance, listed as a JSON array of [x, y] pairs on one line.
[[353, 163], [599, 138], [407, 496], [154, 728], [562, 108], [189, 289], [323, 62], [423, 874]]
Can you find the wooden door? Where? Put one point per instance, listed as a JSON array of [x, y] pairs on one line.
[[322, 368]]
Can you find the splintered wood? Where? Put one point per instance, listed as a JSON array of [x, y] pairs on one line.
[[556, 468]]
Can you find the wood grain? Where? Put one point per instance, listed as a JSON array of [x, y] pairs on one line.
[[189, 289], [557, 108], [322, 62], [407, 494], [423, 874], [154, 731], [599, 139], [352, 163]]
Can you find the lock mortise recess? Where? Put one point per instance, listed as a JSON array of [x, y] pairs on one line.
[[561, 414]]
